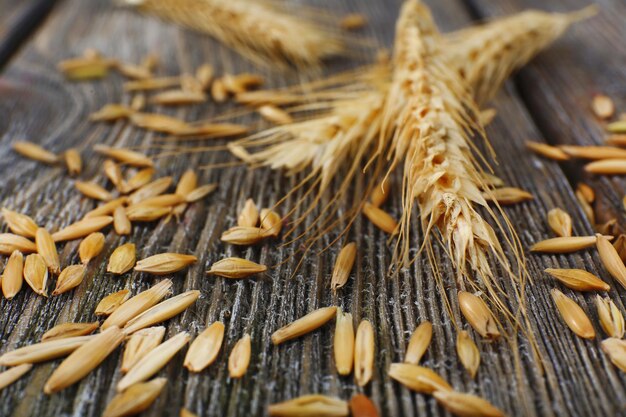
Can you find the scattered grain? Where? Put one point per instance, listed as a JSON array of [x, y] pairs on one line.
[[343, 344], [135, 399], [35, 152], [10, 242], [152, 363], [578, 279], [139, 344], [66, 330], [12, 277], [84, 359], [82, 228], [90, 247], [36, 274], [236, 268], [271, 222], [508, 195], [243, 235], [343, 266], [70, 278], [364, 349], [353, 21], [616, 350], [547, 151], [560, 222], [573, 315], [121, 223], [93, 190], [165, 263], [138, 304], [310, 406], [20, 224], [468, 352], [419, 342], [163, 311], [13, 374], [47, 249], [44, 351], [304, 325], [602, 106], [275, 114], [111, 302], [380, 218], [478, 315], [122, 259], [564, 244], [418, 378], [466, 405], [239, 358], [200, 192], [611, 318], [204, 350], [362, 406]]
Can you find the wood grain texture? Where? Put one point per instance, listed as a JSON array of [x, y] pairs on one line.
[[41, 106]]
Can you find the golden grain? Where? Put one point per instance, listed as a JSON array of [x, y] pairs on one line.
[[478, 315], [138, 102], [186, 413], [204, 75], [84, 359], [545, 150], [353, 21], [114, 173], [111, 112], [607, 167], [36, 274], [145, 213], [44, 351], [151, 189], [343, 266], [159, 123], [586, 192], [310, 406], [616, 140], [133, 71], [138, 304], [154, 362], [573, 315], [616, 350], [594, 152], [151, 84], [12, 277], [20, 224], [236, 268], [66, 330], [178, 97], [611, 318], [380, 193], [47, 249], [219, 93], [418, 343], [611, 260], [468, 352], [466, 405], [275, 114], [13, 374], [93, 190], [380, 218], [304, 325], [364, 350], [620, 247], [271, 222], [111, 302], [249, 215], [204, 350], [106, 208], [487, 116], [163, 200], [122, 259], [418, 378], [578, 279], [163, 311], [34, 151], [602, 106], [82, 228], [564, 244], [121, 222], [90, 247], [362, 406], [139, 344], [78, 69], [239, 358], [200, 192], [508, 195], [138, 180], [135, 399], [560, 222], [10, 242], [69, 278], [343, 344], [243, 235], [165, 263], [187, 183]]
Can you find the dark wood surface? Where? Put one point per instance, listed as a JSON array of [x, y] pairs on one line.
[[547, 101]]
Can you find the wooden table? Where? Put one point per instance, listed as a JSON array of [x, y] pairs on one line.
[[547, 101]]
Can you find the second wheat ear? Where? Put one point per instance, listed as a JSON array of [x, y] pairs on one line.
[[260, 31]]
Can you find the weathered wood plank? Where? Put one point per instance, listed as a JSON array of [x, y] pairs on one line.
[[18, 19], [43, 107]]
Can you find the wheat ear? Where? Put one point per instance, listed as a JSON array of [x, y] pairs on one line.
[[255, 29], [487, 54]]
